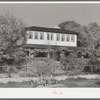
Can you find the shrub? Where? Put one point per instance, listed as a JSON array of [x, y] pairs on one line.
[[28, 71], [26, 74], [71, 62], [44, 67], [63, 61], [80, 63], [93, 65], [39, 67], [46, 81], [11, 69], [3, 69]]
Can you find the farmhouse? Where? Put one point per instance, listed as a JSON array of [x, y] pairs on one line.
[[49, 38]]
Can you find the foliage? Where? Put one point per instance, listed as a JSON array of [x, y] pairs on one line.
[[89, 36], [44, 68], [69, 25], [76, 63], [93, 30], [93, 65], [93, 61], [62, 61], [40, 67], [71, 61], [63, 53], [46, 81], [74, 26], [12, 37], [27, 73]]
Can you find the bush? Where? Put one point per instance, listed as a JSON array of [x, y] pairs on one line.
[[46, 81], [80, 63], [11, 69], [93, 65], [39, 67], [87, 69], [74, 63], [28, 71], [3, 69], [26, 74], [63, 63], [44, 67]]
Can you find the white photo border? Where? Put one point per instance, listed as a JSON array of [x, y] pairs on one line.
[[48, 92]]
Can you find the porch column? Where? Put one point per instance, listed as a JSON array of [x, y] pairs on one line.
[[48, 54], [29, 52]]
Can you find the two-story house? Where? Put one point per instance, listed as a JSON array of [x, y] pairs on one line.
[[46, 38]]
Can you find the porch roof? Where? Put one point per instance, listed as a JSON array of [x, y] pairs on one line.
[[53, 30]]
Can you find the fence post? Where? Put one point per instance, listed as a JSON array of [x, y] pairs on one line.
[[48, 55], [91, 68], [9, 71]]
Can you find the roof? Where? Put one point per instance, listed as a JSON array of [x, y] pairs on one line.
[[54, 30]]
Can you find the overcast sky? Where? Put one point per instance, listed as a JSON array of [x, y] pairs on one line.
[[50, 15]]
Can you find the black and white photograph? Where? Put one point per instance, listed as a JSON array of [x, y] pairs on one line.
[[49, 45]]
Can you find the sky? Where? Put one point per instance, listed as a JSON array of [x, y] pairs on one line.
[[50, 15]]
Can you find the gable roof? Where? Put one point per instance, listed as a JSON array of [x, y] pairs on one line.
[[53, 30]]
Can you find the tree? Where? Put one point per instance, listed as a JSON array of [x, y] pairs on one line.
[[93, 41], [70, 25], [89, 36], [74, 26], [12, 37], [93, 31], [64, 52]]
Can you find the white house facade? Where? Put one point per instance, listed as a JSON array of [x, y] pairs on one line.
[[51, 37]]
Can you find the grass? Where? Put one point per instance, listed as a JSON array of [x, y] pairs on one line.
[[80, 82], [68, 83], [16, 85]]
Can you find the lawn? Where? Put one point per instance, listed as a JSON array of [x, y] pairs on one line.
[[80, 82], [68, 83]]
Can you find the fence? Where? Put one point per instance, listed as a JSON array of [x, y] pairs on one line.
[[76, 66], [86, 68]]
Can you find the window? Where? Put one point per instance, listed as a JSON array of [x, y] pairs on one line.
[[51, 36], [36, 35], [30, 35], [58, 37], [67, 37], [48, 36], [41, 35], [72, 38], [63, 37]]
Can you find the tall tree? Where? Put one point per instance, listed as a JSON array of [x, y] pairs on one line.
[[74, 26], [93, 31], [12, 37]]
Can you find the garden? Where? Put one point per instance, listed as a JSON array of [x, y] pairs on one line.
[[69, 71]]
